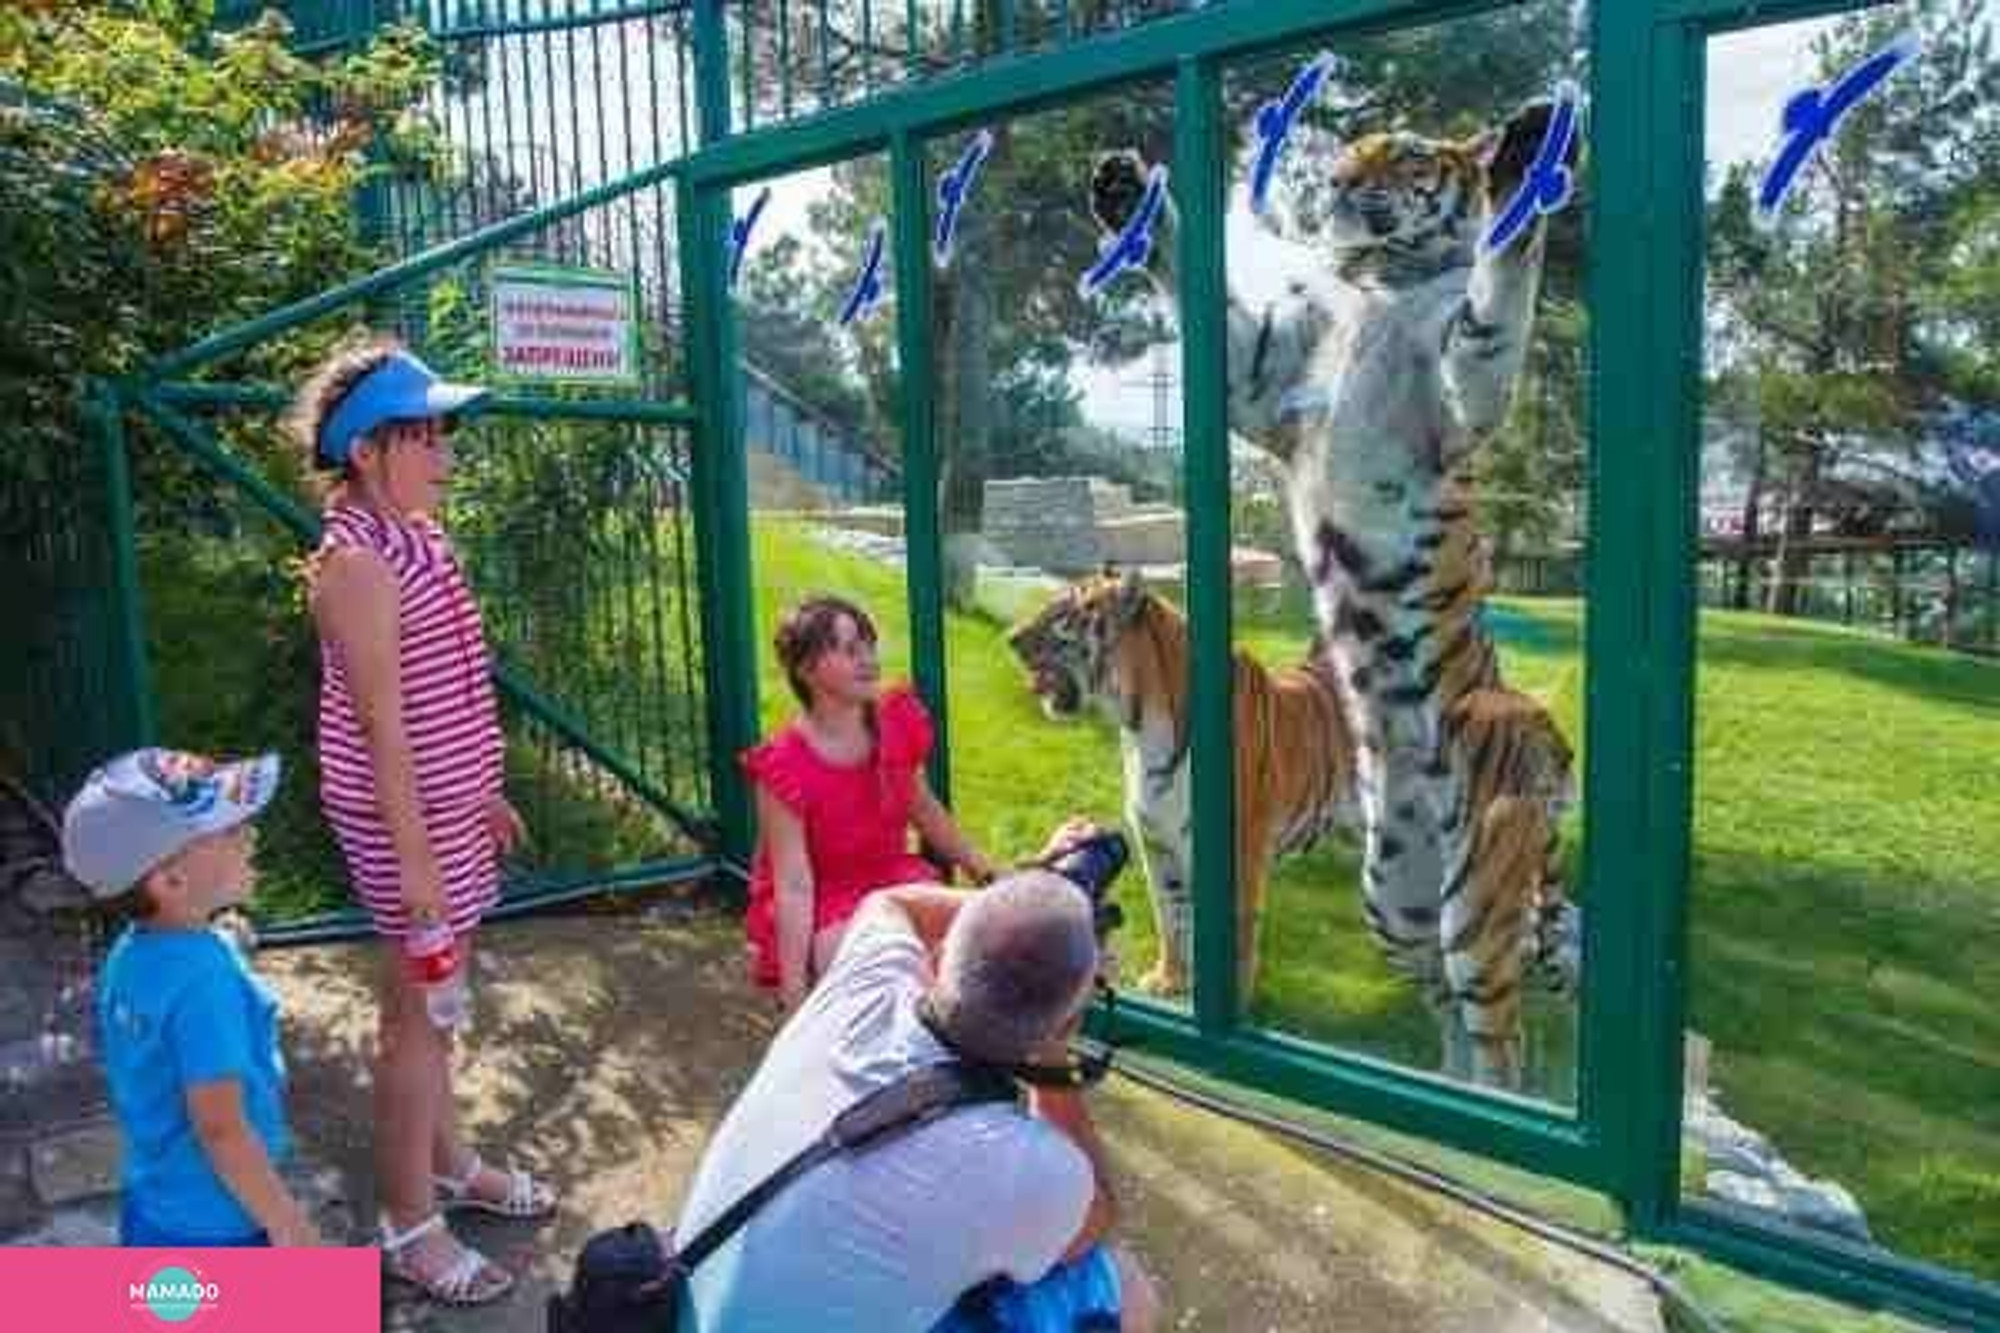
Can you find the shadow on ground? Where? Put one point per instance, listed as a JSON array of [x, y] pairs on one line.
[[605, 1047]]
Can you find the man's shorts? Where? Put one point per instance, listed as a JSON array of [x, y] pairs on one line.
[[1077, 1297]]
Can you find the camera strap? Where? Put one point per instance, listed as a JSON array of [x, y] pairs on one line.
[[918, 1097]]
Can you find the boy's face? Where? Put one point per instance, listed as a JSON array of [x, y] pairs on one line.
[[211, 872]]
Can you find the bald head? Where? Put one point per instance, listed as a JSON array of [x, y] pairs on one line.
[[1017, 965]]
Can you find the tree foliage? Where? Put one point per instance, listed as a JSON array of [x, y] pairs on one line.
[[158, 182], [1845, 332]]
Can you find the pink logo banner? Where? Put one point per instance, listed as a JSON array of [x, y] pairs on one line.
[[202, 1291]]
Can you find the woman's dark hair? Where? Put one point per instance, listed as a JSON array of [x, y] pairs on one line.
[[330, 382], [809, 630]]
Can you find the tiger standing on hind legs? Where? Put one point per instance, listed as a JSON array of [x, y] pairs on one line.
[[1373, 389]]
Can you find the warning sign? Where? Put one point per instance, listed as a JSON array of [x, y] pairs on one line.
[[565, 325]]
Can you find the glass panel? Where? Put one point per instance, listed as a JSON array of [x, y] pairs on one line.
[[1059, 435], [1844, 1051], [1407, 413], [818, 374]]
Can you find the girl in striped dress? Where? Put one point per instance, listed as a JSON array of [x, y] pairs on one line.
[[410, 776]]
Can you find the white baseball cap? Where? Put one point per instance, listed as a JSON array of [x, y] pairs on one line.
[[140, 808]]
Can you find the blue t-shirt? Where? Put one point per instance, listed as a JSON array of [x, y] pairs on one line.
[[177, 1008]]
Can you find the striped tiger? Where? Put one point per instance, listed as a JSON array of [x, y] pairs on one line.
[[1374, 388], [1110, 642]]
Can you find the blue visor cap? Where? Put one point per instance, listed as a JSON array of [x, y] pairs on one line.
[[402, 388]]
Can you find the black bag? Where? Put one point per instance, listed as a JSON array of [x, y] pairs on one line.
[[629, 1280], [625, 1282]]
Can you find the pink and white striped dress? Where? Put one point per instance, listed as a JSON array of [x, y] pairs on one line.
[[449, 713]]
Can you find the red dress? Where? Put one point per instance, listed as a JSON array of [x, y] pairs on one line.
[[856, 818]]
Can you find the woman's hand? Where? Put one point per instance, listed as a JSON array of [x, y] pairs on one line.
[[505, 824], [979, 867]]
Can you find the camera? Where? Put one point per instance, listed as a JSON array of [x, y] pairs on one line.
[[1092, 863]]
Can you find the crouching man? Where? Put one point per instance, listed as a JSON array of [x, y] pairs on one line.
[[992, 1218]]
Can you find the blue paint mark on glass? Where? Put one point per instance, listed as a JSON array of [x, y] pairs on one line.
[[1549, 182], [1812, 115], [739, 234], [953, 189], [1133, 244], [1273, 123], [867, 293]]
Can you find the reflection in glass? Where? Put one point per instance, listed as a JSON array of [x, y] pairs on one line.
[[1844, 1052], [1059, 445], [1406, 409], [823, 443]]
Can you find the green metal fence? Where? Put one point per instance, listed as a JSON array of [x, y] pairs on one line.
[[585, 580], [572, 506], [1644, 260], [762, 89], [72, 650]]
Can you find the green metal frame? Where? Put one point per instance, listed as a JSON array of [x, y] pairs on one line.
[[923, 534], [1190, 50], [1664, 53], [139, 724], [722, 485], [1644, 289], [288, 512]]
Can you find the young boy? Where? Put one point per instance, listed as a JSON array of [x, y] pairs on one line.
[[189, 1035]]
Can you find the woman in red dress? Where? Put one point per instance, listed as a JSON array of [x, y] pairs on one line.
[[838, 789]]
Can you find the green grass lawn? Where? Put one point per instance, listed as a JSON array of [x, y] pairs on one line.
[[1846, 900]]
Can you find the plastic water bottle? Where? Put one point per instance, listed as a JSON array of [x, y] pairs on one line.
[[433, 954]]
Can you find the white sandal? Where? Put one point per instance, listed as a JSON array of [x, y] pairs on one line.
[[467, 1281], [526, 1197]]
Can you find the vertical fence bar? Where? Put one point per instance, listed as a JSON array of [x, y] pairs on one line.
[[867, 47], [550, 133], [1992, 638], [1198, 191], [488, 51], [785, 58], [138, 721], [1896, 603], [745, 16], [924, 548], [577, 87], [722, 508], [826, 98], [910, 39], [1952, 596], [1645, 289]]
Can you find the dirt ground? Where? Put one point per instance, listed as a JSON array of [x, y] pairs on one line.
[[606, 1046]]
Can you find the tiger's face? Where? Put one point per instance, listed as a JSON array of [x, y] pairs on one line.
[[1066, 646], [1405, 200]]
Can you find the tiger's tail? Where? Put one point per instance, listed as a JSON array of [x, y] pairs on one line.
[[1555, 945]]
